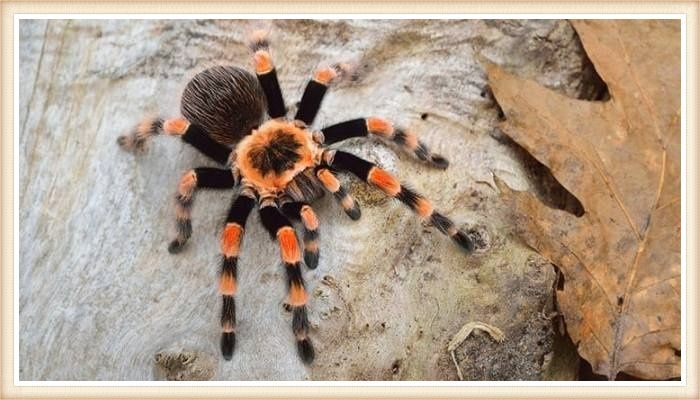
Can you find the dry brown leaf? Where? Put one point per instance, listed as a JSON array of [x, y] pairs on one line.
[[621, 159]]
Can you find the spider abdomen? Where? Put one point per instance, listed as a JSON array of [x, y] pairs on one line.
[[227, 101]]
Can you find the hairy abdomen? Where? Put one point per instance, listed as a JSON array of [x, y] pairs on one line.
[[227, 101]]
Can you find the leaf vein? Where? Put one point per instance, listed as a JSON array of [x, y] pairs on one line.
[[600, 342], [585, 268], [671, 328], [639, 289]]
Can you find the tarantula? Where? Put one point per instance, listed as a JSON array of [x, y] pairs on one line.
[[280, 164]]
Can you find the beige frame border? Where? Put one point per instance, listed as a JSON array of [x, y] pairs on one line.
[[9, 8]]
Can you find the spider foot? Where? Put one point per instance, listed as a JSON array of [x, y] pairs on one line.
[[446, 226], [176, 246], [410, 142], [123, 141], [463, 241], [353, 211], [306, 350], [135, 140], [228, 344], [311, 258], [131, 144], [438, 161]]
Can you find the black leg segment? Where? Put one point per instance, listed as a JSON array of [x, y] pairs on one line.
[[273, 93], [344, 161], [345, 130], [199, 139], [311, 102]]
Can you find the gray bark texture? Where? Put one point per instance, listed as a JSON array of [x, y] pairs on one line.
[[102, 299]]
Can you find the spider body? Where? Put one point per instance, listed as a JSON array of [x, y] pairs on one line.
[[279, 165]]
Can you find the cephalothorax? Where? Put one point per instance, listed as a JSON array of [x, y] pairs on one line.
[[280, 164]]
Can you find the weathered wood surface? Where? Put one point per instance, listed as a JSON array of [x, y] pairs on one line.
[[100, 295]]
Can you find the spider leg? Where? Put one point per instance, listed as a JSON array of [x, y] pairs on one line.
[[315, 90], [386, 130], [280, 227], [230, 246], [267, 74], [302, 211], [203, 177], [192, 134], [386, 182], [331, 183]]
